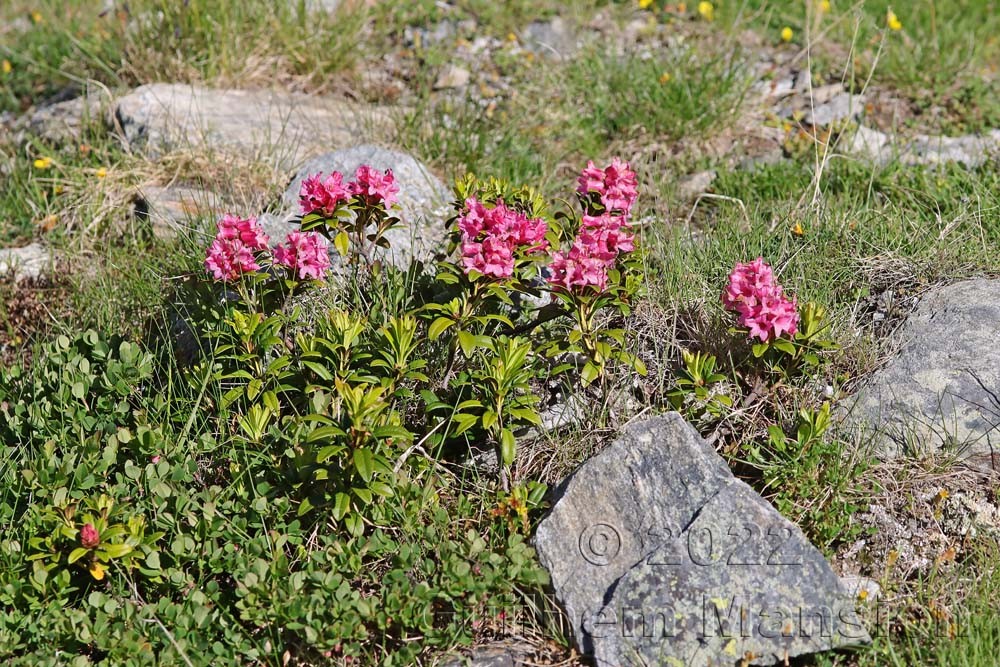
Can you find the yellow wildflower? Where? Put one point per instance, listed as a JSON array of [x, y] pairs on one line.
[[707, 10], [665, 78], [101, 173], [682, 7], [786, 34], [798, 230], [97, 570], [893, 21], [511, 37], [644, 4], [824, 6], [43, 163], [6, 66], [863, 595], [36, 17], [48, 223]]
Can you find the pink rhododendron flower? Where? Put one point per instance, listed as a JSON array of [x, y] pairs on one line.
[[616, 184], [233, 252], [580, 267], [374, 186], [493, 257], [759, 303], [492, 236], [248, 232], [319, 195], [305, 254], [89, 538]]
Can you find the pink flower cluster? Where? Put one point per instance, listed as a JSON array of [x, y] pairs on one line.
[[324, 195], [616, 185], [234, 250], [305, 253], [239, 245], [603, 235], [757, 299], [89, 537], [491, 237]]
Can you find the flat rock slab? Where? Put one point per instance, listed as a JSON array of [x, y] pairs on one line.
[[281, 128], [941, 391], [659, 555], [31, 261], [423, 199], [176, 210]]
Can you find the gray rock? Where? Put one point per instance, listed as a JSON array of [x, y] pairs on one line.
[[452, 76], [690, 187], [176, 209], [31, 261], [423, 198], [869, 143], [281, 128], [940, 391], [971, 150], [628, 535], [64, 122], [553, 38], [861, 588], [739, 582], [840, 107], [617, 508], [497, 654]]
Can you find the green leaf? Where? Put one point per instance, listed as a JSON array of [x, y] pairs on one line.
[[784, 345], [759, 349], [326, 453], [341, 505], [364, 462], [439, 326], [116, 550], [342, 243], [589, 373], [467, 342], [508, 447], [77, 554]]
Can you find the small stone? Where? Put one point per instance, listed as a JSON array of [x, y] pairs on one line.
[[862, 589], [689, 188], [840, 107], [30, 261], [869, 143], [453, 76], [970, 150], [551, 38], [506, 653]]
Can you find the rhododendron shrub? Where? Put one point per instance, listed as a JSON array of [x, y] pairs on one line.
[[758, 300], [790, 334], [354, 215]]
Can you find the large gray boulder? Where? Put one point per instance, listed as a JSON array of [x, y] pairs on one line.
[[275, 127], [660, 556], [424, 201], [941, 391]]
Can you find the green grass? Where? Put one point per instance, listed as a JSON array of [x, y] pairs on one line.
[[862, 231], [944, 59], [224, 42], [590, 106]]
